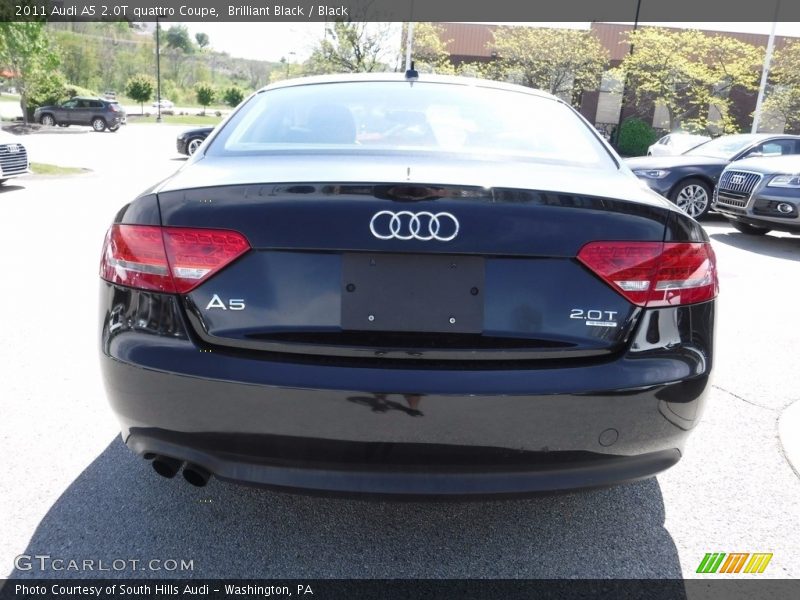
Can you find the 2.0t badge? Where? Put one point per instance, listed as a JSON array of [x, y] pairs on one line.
[[595, 317]]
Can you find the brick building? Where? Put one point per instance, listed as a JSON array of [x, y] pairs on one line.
[[470, 42]]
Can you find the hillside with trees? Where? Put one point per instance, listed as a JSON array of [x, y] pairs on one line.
[[105, 56], [691, 74], [57, 60]]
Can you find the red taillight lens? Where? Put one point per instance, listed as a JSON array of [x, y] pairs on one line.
[[194, 255], [655, 273], [167, 259]]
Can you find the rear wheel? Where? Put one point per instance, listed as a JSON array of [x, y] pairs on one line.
[[693, 196], [114, 128], [193, 145], [98, 124], [47, 120], [63, 124], [749, 229]]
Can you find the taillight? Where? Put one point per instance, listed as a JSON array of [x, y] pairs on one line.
[[655, 273], [174, 260]]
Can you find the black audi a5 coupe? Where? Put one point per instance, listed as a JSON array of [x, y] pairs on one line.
[[689, 179], [410, 286]]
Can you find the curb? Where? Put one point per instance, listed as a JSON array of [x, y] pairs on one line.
[[789, 434], [36, 129]]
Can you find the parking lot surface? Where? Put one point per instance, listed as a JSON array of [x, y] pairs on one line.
[[72, 490]]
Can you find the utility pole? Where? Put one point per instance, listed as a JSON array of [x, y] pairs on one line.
[[625, 84], [409, 36], [158, 72], [409, 44], [765, 71]]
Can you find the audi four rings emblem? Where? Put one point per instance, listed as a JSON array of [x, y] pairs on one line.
[[405, 225]]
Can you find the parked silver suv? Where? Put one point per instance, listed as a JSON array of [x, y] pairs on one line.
[[758, 195]]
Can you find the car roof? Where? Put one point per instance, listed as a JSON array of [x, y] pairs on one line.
[[400, 77], [787, 163], [761, 136]]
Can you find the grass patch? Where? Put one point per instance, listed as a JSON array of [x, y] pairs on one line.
[[9, 98], [209, 120], [47, 169]]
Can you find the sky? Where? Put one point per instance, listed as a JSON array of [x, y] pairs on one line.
[[295, 40]]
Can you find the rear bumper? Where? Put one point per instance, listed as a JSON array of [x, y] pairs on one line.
[[372, 475], [264, 420]]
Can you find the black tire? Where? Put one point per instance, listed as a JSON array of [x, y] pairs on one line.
[[63, 124], [114, 129], [192, 145], [748, 229], [693, 196], [98, 124], [47, 120]]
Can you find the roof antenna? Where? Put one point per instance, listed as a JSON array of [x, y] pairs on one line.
[[411, 74]]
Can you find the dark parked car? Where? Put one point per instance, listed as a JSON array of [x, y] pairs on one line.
[[689, 178], [370, 284], [97, 113], [758, 195], [13, 158], [190, 140]]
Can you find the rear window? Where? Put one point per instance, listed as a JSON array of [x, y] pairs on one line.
[[398, 116]]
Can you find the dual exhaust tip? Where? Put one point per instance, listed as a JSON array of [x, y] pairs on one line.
[[168, 467]]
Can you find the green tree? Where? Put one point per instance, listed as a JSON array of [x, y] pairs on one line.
[[233, 96], [177, 37], [783, 100], [351, 47], [635, 137], [429, 50], [205, 95], [177, 47], [26, 52], [564, 62], [140, 89], [202, 39], [687, 72], [48, 88], [79, 61]]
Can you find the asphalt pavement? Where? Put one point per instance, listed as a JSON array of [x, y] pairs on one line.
[[72, 490]]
